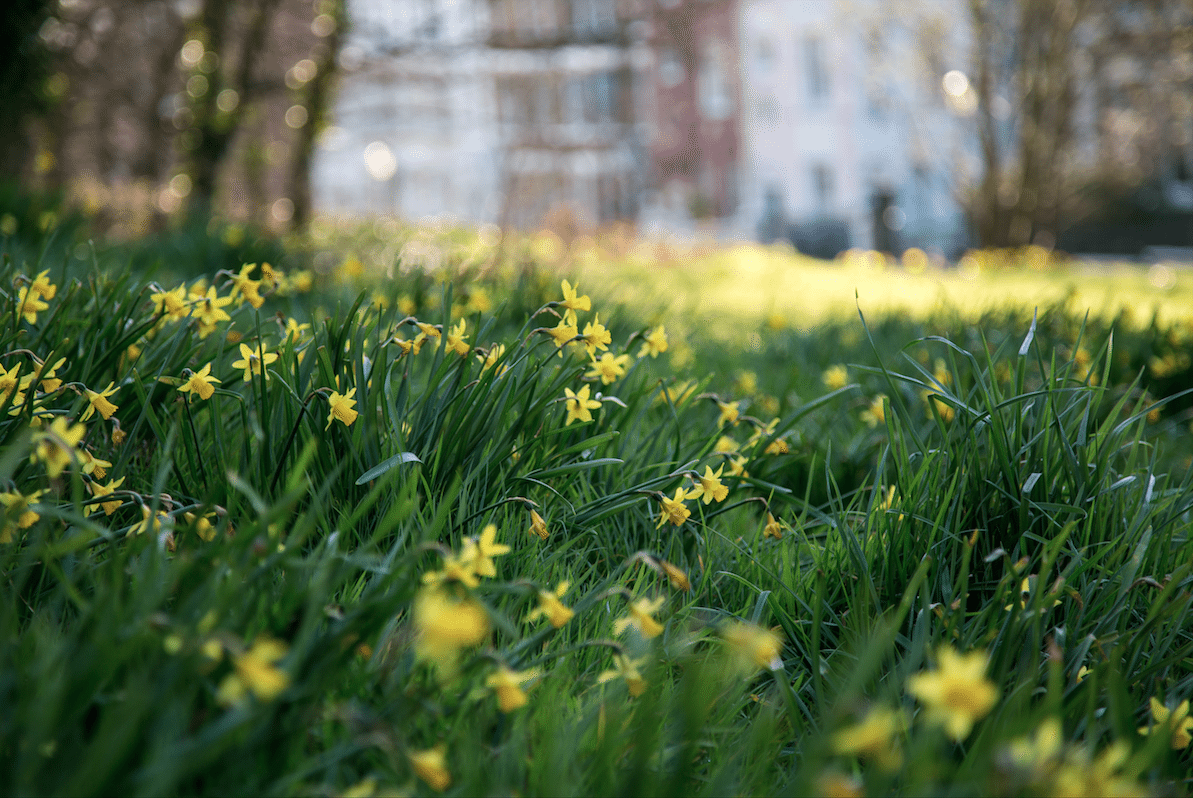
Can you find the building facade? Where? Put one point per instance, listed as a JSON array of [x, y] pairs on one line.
[[851, 134]]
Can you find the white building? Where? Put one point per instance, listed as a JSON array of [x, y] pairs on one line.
[[413, 131], [850, 133], [485, 111]]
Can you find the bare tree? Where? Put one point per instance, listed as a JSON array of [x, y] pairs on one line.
[[223, 85], [315, 95]]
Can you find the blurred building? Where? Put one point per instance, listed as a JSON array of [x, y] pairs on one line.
[[505, 111], [694, 114], [850, 138]]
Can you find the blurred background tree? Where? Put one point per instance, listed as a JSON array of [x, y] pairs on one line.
[[25, 64], [139, 110]]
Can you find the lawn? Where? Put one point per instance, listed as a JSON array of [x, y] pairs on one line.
[[396, 511]]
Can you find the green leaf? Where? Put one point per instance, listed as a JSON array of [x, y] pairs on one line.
[[386, 465]]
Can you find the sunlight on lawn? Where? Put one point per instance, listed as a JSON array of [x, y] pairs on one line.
[[749, 284]]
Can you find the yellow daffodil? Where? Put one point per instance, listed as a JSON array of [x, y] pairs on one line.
[[957, 694], [10, 381], [487, 547], [457, 340], [875, 412], [654, 343], [340, 408], [777, 446], [673, 509], [294, 331], [48, 376], [1175, 721], [725, 445], [256, 672], [41, 284], [446, 625], [202, 525], [679, 579], [626, 668], [496, 351], [579, 405], [573, 302], [596, 337], [608, 368], [209, 311], [431, 766], [18, 512], [837, 785], [835, 377], [551, 606], [773, 528], [99, 491], [242, 286], [254, 361], [1041, 748], [640, 618], [457, 568], [729, 413], [171, 304], [93, 465], [537, 525], [200, 383], [271, 275], [756, 647], [29, 304], [411, 347], [507, 685], [150, 522], [746, 382], [99, 401], [561, 333], [874, 737], [430, 331], [58, 445], [709, 487]]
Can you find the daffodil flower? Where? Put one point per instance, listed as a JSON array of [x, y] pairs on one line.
[[654, 343], [835, 377], [507, 684], [29, 304], [674, 509], [570, 299], [431, 766], [99, 401], [773, 528], [1176, 721], [446, 625], [242, 286], [709, 487], [487, 547], [756, 647], [551, 606], [579, 405], [340, 408], [254, 361], [596, 337], [608, 368], [457, 340], [640, 618], [41, 284], [200, 383], [679, 580], [538, 526], [729, 413], [58, 445], [626, 668], [100, 491], [171, 304], [18, 512], [957, 694]]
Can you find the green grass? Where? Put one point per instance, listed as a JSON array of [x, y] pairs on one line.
[[283, 603]]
